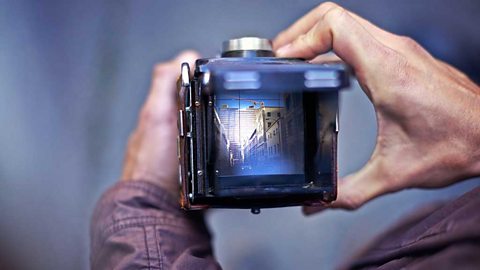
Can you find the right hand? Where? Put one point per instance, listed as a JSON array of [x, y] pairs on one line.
[[428, 113], [152, 148]]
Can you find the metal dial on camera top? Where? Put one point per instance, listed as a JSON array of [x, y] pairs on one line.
[[247, 44]]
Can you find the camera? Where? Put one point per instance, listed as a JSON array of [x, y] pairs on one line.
[[257, 131]]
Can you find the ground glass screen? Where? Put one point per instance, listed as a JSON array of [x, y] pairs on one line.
[[258, 133]]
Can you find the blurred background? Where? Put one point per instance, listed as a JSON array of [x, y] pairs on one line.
[[73, 75]]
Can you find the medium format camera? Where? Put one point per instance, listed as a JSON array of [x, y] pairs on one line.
[[258, 131]]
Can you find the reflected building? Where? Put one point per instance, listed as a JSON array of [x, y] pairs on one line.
[[238, 125], [229, 119], [246, 122], [259, 138], [276, 139], [223, 155], [256, 149]]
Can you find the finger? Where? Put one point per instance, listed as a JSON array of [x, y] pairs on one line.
[[302, 25], [338, 31], [355, 190], [166, 74], [161, 101]]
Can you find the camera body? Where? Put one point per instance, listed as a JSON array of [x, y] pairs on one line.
[[256, 131]]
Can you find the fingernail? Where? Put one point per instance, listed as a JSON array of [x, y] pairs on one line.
[[284, 49]]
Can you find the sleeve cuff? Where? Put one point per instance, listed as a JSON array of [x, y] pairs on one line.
[[141, 203]]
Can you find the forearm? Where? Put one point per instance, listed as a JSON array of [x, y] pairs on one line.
[[137, 224], [473, 119]]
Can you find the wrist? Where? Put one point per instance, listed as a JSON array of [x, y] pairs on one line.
[[452, 152], [473, 135], [476, 138], [463, 143], [171, 187], [473, 166]]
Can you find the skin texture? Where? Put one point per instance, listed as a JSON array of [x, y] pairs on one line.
[[428, 113], [152, 148]]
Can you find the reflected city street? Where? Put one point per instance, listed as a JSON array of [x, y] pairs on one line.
[[258, 133]]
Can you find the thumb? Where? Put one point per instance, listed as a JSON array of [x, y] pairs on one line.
[[355, 190], [161, 101]]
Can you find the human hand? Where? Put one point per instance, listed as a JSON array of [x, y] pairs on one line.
[[152, 150], [428, 113]]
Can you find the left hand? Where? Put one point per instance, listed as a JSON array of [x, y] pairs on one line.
[[152, 151]]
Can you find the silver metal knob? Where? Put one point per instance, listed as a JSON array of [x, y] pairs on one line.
[[247, 44]]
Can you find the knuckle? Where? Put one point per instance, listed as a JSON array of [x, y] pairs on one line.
[[334, 19], [334, 14], [410, 44], [327, 5]]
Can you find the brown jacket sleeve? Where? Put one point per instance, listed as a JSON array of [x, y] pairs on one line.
[[445, 236], [137, 225]]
